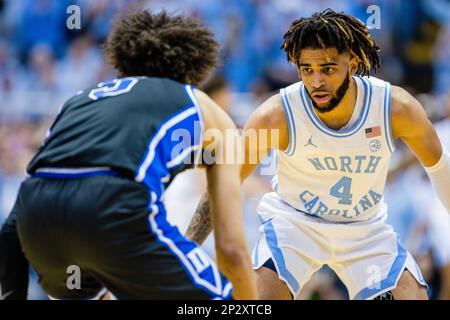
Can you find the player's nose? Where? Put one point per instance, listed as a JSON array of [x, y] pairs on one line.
[[317, 81]]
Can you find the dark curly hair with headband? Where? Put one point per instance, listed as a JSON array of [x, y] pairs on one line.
[[329, 29], [161, 45]]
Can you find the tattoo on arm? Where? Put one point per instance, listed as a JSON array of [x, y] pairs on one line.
[[201, 225]]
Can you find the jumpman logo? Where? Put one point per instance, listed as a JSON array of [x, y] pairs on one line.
[[4, 296], [310, 143]]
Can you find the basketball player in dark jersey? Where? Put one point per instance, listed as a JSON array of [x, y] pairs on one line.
[[94, 199]]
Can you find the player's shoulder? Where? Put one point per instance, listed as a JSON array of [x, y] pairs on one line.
[[272, 108], [168, 93], [213, 115], [270, 114], [403, 102], [406, 112], [160, 81], [167, 88]]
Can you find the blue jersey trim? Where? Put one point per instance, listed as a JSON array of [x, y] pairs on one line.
[[159, 162], [56, 175], [388, 117], [255, 257], [277, 254], [291, 123]]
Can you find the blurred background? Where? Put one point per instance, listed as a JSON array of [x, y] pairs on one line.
[[43, 63]]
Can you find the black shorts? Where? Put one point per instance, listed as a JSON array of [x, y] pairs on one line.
[[83, 234]]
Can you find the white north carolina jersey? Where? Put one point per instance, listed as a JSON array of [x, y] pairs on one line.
[[337, 175]]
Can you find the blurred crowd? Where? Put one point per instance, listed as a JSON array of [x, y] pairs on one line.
[[42, 63]]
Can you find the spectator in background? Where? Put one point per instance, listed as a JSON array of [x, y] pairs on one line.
[[420, 219], [217, 88], [441, 254], [82, 65], [233, 22], [42, 22], [8, 66], [19, 140], [97, 16], [441, 67], [422, 224], [42, 70]]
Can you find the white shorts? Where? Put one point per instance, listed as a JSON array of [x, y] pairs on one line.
[[367, 256]]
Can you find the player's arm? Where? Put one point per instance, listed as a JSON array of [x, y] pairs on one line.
[[13, 264], [226, 201], [268, 124], [410, 123], [269, 116]]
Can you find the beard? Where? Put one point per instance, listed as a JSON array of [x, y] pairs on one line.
[[340, 93]]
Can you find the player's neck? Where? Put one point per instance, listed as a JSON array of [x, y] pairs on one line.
[[340, 116]]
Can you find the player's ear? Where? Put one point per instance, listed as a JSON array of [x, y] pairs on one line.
[[298, 72], [354, 62]]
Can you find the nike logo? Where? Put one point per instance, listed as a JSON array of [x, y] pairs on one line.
[[6, 295]]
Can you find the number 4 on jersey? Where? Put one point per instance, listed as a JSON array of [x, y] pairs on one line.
[[341, 190]]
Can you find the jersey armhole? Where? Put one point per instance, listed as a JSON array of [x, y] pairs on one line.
[[291, 124]]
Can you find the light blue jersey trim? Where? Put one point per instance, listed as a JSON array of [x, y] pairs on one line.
[[272, 242], [389, 283], [342, 133], [388, 117], [255, 254], [291, 123]]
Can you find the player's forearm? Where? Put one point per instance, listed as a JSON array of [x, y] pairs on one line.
[[440, 178], [201, 225], [236, 266], [232, 253]]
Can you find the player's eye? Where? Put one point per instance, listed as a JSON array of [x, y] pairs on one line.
[[329, 69], [306, 70]]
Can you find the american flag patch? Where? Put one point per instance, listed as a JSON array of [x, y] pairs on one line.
[[373, 132]]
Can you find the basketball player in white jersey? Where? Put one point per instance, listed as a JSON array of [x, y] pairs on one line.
[[337, 130]]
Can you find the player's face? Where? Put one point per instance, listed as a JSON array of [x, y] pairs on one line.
[[326, 75]]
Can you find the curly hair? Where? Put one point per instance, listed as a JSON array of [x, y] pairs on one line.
[[160, 45], [328, 29]]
